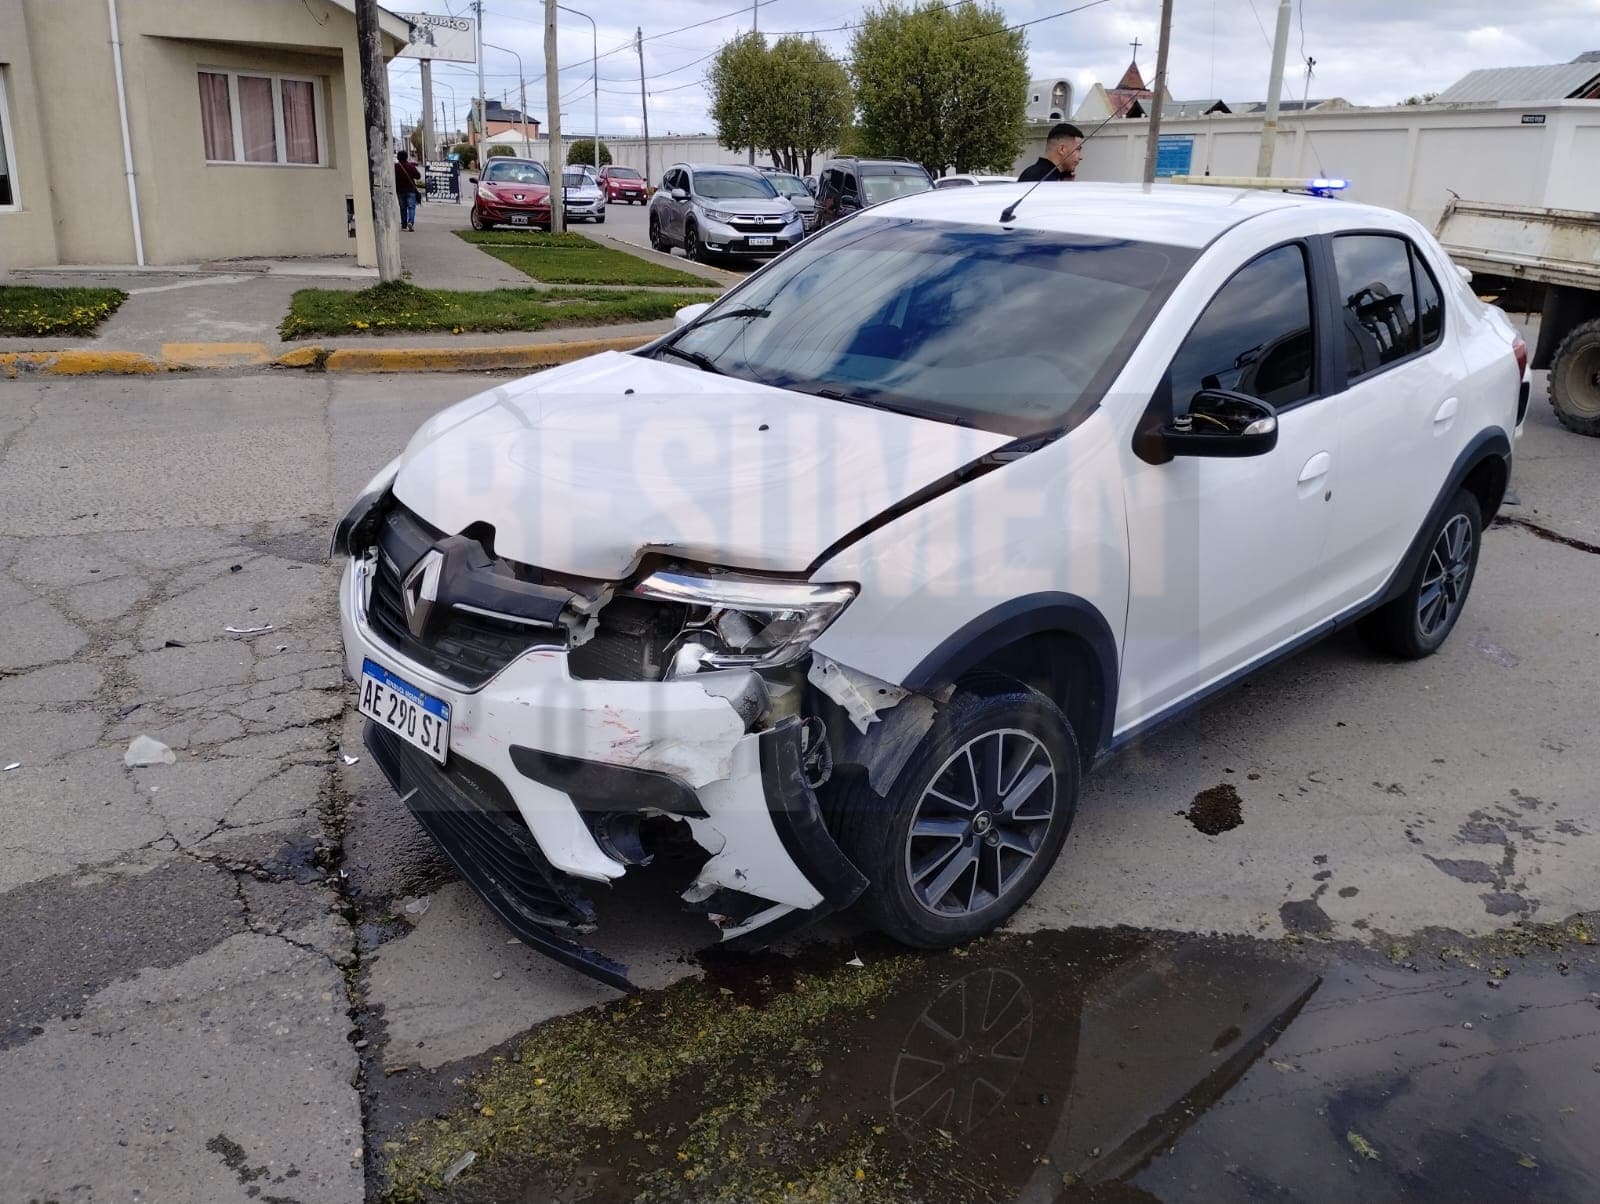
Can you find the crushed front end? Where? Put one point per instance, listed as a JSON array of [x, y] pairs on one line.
[[542, 727]]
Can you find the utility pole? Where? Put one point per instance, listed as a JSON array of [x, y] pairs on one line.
[[1158, 93], [483, 127], [552, 99], [644, 105], [1269, 123], [380, 152], [755, 26], [429, 146]]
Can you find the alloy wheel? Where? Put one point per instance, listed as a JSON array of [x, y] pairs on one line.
[[981, 822], [1444, 584]]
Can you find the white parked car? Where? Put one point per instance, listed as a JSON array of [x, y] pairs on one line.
[[853, 576], [581, 193], [967, 180]]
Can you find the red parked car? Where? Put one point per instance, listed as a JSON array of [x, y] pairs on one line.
[[623, 184], [512, 192]]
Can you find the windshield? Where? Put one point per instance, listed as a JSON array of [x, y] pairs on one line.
[[727, 185], [1013, 331], [505, 172], [789, 185], [623, 173], [576, 179], [882, 185]]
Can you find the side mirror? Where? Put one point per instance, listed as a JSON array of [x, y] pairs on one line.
[[1219, 423], [679, 194], [472, 179], [689, 313]]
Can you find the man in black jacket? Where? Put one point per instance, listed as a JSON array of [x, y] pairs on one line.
[[1063, 151]]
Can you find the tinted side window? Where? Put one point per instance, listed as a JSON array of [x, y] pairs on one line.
[[849, 183], [1255, 337], [1429, 302], [1379, 303]]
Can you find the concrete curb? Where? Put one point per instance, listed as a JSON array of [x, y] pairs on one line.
[[193, 357]]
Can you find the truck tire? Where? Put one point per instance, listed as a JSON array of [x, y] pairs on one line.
[[1575, 379]]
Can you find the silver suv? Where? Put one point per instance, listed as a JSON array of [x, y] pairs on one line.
[[710, 210]]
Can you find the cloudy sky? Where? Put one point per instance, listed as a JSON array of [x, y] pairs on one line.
[[1367, 51]]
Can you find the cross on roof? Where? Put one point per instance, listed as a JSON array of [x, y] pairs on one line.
[[1135, 44]]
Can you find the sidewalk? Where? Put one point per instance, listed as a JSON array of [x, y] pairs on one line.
[[225, 315]]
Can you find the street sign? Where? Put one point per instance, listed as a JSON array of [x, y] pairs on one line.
[[1174, 154], [449, 39]]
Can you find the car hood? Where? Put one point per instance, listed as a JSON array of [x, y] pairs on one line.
[[584, 468]]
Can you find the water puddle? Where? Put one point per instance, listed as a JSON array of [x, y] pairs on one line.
[[1092, 1065]]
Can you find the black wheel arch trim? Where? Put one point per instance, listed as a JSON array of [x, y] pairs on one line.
[[1488, 444], [1046, 613]]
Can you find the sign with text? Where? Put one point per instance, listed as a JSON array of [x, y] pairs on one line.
[[1174, 154], [449, 39], [443, 180]]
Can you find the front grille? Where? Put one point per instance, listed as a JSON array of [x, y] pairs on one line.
[[474, 820], [630, 643], [757, 225], [466, 648]]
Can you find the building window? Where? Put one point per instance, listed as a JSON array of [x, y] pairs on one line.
[[250, 118], [8, 171]]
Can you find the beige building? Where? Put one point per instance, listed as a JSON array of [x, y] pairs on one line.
[[242, 119]]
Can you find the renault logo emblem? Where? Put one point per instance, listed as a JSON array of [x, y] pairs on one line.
[[420, 590]]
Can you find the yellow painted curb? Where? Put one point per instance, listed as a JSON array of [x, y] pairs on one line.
[[301, 357], [468, 359], [214, 355], [75, 363]]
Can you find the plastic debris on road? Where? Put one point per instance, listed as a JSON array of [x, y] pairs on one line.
[[249, 630], [459, 1165], [142, 750], [10, 767], [349, 760]]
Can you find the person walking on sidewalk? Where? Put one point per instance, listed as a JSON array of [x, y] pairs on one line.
[[407, 186]]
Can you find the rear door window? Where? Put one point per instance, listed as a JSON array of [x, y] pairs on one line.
[[1378, 299], [1255, 336]]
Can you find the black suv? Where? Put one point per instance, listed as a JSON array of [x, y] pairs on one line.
[[849, 185]]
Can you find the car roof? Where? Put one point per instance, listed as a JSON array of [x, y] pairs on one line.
[[1183, 215], [741, 169]]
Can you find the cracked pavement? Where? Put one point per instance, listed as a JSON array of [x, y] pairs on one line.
[[212, 963]]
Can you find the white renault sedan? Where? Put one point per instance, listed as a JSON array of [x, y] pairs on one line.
[[842, 586]]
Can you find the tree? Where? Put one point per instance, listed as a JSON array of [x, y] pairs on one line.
[[944, 86], [789, 100], [582, 151], [500, 150], [1425, 99], [466, 154]]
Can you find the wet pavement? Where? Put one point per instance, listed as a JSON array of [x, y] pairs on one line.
[[1092, 1065]]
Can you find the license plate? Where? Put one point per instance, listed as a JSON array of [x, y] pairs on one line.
[[761, 240], [418, 718], [519, 219]]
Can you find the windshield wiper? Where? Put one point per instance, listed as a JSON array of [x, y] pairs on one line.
[[743, 311], [702, 362], [874, 403]]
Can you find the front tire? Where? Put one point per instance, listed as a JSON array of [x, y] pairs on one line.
[[1416, 624], [974, 820], [477, 220], [1575, 379]]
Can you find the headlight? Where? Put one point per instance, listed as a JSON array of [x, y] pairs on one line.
[[351, 534], [749, 622], [717, 215]]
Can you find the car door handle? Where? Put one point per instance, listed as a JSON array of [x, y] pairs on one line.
[[1446, 411], [1316, 468]]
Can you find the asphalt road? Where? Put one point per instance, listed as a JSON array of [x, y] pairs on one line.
[[215, 964]]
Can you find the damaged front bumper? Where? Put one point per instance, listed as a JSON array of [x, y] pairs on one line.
[[540, 763]]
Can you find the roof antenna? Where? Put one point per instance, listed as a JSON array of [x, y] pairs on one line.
[[1010, 211]]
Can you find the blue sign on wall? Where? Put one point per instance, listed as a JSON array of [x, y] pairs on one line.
[[1174, 154]]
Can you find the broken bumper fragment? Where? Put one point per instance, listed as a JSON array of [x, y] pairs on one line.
[[541, 764]]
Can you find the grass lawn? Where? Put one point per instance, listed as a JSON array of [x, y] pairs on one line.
[[570, 258], [27, 310], [387, 308]]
